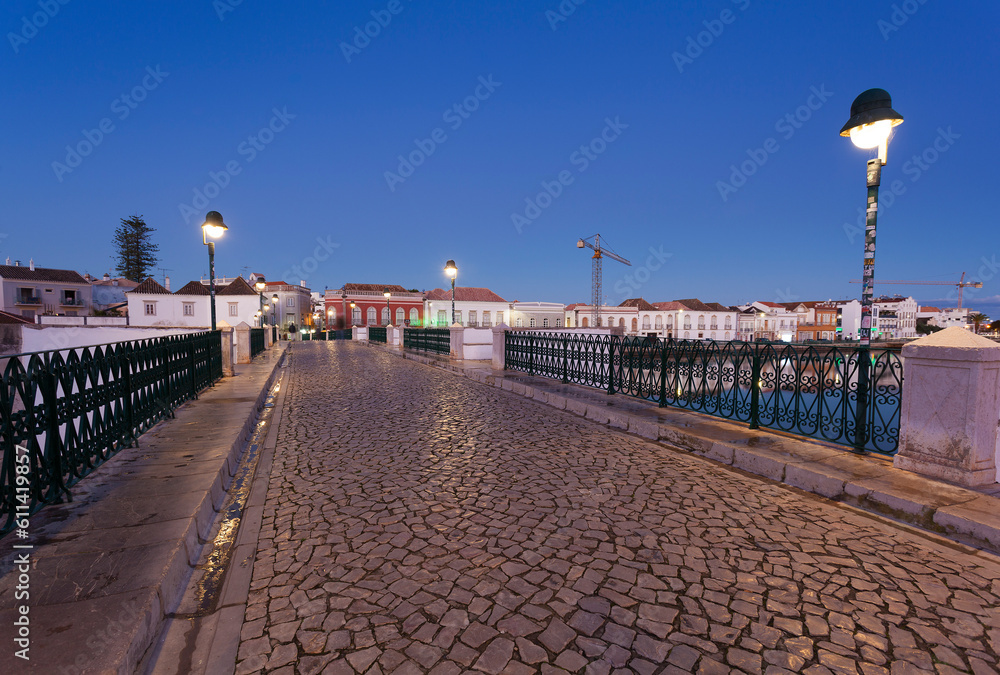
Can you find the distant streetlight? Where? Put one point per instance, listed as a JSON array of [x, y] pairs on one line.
[[871, 123], [261, 286], [451, 271], [353, 305], [274, 317], [388, 312], [213, 227]]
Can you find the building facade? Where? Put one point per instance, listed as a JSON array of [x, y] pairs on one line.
[[151, 304], [894, 317], [30, 291], [404, 307], [293, 309], [475, 307]]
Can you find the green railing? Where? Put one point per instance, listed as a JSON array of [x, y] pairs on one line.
[[377, 334], [63, 413], [437, 340], [810, 390], [256, 341]]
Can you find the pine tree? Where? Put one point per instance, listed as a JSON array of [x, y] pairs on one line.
[[136, 253]]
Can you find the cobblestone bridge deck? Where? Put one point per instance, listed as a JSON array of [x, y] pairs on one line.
[[417, 522]]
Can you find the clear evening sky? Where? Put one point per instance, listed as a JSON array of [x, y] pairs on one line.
[[371, 141]]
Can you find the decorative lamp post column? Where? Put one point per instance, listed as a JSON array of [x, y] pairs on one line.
[[353, 305], [343, 299], [388, 312], [871, 123], [212, 227], [451, 271], [274, 316]]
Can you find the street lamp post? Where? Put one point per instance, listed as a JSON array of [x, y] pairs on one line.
[[451, 271], [388, 312], [870, 125], [353, 305], [343, 299], [274, 316], [212, 227], [261, 285]]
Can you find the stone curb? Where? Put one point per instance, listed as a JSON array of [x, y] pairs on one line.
[[868, 482], [111, 565]]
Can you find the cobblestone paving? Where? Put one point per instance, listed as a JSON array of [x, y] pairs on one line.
[[419, 522]]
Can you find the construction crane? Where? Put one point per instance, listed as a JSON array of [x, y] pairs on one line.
[[962, 283], [599, 253]]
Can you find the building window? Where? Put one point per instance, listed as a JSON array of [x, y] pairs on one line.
[[356, 316], [545, 323], [715, 322], [486, 319], [701, 322], [188, 309], [400, 316], [611, 321], [499, 318], [621, 322], [658, 322], [532, 322], [645, 322], [729, 323], [519, 323], [687, 323], [372, 316], [584, 324], [442, 319], [635, 325], [234, 309], [414, 317], [150, 309], [670, 321], [385, 316], [458, 317], [290, 301], [559, 323], [472, 317]]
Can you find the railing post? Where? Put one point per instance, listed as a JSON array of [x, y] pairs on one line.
[[194, 379], [611, 364], [755, 385], [565, 378], [861, 411], [127, 351], [663, 375], [531, 354], [53, 456]]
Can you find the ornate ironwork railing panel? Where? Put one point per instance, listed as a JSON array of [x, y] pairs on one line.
[[809, 390], [256, 341], [63, 413], [436, 340], [377, 334]]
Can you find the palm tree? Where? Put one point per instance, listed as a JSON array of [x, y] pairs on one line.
[[977, 319]]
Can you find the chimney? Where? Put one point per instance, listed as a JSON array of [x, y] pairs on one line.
[[8, 261], [107, 277], [166, 283], [302, 283], [31, 264], [17, 263]]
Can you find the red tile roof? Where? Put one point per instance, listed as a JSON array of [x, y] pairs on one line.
[[929, 309], [671, 306], [638, 303], [193, 288], [149, 286], [238, 287], [7, 318], [378, 288], [465, 294], [25, 273]]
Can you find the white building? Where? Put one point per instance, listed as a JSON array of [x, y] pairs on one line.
[[536, 314], [293, 307], [774, 321], [150, 304], [848, 319], [581, 315], [475, 307], [945, 318], [894, 317]]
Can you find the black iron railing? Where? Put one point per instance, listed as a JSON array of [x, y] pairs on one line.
[[256, 341], [811, 390], [437, 340], [342, 334], [377, 334], [63, 413]]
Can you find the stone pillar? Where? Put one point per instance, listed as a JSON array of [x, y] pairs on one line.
[[499, 346], [242, 342], [227, 351], [457, 342], [951, 408], [267, 337]]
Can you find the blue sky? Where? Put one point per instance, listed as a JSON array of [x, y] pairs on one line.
[[304, 132]]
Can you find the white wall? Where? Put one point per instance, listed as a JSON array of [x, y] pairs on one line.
[[170, 310], [48, 338]]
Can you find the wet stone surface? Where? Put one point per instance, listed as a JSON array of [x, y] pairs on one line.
[[419, 522]]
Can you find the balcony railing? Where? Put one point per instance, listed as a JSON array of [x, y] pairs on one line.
[[28, 300], [844, 395], [72, 302]]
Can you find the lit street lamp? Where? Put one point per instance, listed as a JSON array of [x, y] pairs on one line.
[[274, 316], [388, 312], [212, 227], [261, 285], [871, 123], [451, 271]]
